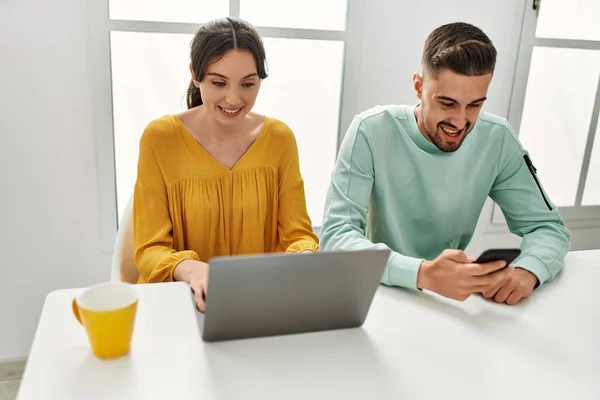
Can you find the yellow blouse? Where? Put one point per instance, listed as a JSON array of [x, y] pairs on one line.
[[187, 205]]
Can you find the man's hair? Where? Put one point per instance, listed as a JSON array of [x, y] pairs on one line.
[[461, 48]]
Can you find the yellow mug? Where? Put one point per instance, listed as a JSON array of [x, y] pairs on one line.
[[108, 311]]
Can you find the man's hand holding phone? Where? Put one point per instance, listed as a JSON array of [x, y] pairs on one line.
[[513, 284], [455, 275]]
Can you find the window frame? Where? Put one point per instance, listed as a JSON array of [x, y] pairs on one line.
[[100, 26]]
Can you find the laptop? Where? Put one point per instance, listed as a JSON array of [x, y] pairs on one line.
[[276, 294]]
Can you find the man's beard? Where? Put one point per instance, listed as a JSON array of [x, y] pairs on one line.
[[437, 137]]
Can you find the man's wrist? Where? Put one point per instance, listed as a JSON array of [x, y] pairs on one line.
[[423, 275], [530, 275]]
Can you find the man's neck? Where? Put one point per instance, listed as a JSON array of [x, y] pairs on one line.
[[420, 121]]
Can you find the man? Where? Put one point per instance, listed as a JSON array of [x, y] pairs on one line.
[[415, 178]]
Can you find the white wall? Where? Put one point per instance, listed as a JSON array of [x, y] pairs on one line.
[[49, 230]]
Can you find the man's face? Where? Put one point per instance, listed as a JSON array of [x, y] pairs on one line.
[[450, 105]]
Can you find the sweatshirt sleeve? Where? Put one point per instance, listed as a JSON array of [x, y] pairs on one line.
[[294, 225], [155, 257], [346, 205], [529, 212]]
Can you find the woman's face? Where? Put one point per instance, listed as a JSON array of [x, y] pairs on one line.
[[230, 86]]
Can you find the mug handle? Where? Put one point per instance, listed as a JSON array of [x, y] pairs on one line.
[[76, 311]]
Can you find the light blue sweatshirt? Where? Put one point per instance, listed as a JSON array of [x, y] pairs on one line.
[[392, 188]]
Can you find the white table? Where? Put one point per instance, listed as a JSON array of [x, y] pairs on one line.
[[412, 346]]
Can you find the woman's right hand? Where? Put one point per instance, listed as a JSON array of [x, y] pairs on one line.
[[196, 274]]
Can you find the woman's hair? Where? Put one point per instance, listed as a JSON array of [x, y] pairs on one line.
[[214, 39], [461, 48]]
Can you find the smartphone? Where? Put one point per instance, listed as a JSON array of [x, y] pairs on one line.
[[508, 255]]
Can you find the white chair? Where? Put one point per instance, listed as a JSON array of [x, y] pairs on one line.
[[123, 264]]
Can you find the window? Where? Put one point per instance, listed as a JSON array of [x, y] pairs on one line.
[[551, 91], [569, 19], [148, 81], [298, 85], [141, 51], [331, 14], [556, 103], [171, 11]]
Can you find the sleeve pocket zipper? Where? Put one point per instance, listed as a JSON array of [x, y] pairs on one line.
[[533, 172]]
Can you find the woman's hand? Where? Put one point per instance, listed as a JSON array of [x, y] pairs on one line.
[[299, 252], [196, 274]]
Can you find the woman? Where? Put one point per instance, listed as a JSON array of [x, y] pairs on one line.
[[218, 179]]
